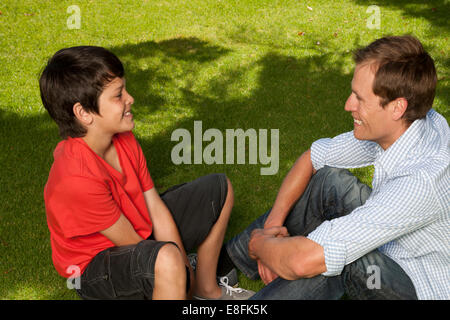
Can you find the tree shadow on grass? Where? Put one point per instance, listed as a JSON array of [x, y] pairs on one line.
[[26, 149], [436, 14], [443, 89], [26, 154], [152, 66], [302, 97], [434, 11]]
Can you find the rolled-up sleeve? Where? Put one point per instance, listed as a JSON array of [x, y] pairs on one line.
[[318, 152], [343, 151], [388, 215], [335, 252]]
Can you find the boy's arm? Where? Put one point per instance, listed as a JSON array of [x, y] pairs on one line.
[[122, 233], [164, 227]]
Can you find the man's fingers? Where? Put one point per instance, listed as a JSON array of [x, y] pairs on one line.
[[277, 231], [261, 272], [267, 275]]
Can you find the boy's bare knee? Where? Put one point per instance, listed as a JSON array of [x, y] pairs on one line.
[[169, 261], [170, 274]]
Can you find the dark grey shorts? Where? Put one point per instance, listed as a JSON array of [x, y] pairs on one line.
[[127, 272]]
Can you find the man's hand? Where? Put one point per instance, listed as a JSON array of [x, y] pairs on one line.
[[256, 243], [267, 275], [258, 236]]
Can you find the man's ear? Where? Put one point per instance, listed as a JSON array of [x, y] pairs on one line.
[[399, 106], [82, 115]]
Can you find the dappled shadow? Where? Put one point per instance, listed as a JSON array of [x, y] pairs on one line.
[[26, 154], [183, 48], [436, 14], [151, 65], [443, 87], [303, 97], [434, 11]]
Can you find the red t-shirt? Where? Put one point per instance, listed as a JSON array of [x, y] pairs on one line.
[[85, 195]]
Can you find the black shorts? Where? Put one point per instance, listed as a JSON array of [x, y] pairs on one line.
[[127, 272]]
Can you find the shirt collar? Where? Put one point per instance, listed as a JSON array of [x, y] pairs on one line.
[[396, 155]]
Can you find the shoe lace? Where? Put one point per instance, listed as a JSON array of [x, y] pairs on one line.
[[223, 281]]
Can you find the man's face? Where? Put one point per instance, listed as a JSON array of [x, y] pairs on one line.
[[371, 120], [114, 106]]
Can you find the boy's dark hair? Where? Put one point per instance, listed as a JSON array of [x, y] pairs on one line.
[[72, 75], [402, 69]]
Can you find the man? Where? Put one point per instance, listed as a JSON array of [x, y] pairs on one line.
[[329, 234]]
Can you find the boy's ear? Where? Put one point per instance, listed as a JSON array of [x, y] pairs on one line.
[[82, 115]]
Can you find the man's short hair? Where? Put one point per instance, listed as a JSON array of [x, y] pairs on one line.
[[402, 69], [77, 74]]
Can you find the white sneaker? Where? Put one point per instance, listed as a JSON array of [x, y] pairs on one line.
[[229, 293], [233, 293]]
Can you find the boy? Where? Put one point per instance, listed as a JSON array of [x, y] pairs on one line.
[[104, 214]]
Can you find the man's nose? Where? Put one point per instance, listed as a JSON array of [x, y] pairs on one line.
[[351, 103]]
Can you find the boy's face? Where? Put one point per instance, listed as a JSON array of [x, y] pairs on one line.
[[114, 106]]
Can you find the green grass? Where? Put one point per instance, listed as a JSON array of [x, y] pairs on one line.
[[230, 64]]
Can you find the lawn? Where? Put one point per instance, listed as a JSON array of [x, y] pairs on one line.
[[246, 64]]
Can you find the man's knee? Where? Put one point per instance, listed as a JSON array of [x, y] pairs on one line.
[[343, 189], [332, 174], [376, 276]]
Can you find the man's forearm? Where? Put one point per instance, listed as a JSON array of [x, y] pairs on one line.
[[289, 257], [291, 189]]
